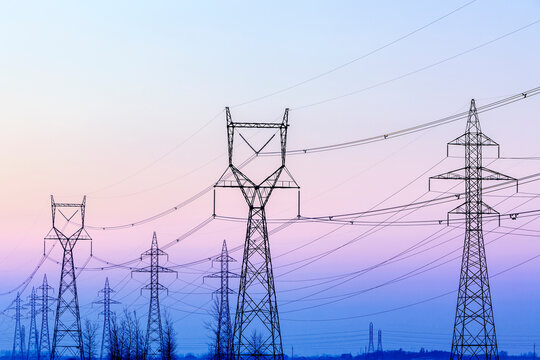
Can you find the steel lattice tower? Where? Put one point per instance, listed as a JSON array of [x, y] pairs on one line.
[[474, 328], [23, 336], [106, 302], [18, 338], [33, 337], [224, 339], [154, 333], [257, 332], [379, 345], [44, 337], [371, 347], [67, 336]]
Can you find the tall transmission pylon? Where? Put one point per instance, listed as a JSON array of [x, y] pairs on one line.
[[106, 301], [371, 347], [67, 336], [224, 339], [257, 333], [44, 351], [154, 333], [18, 338], [33, 337], [379, 345], [474, 328]]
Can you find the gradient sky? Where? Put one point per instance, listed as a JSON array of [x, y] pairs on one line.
[[124, 102]]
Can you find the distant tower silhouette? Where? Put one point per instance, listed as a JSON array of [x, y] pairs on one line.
[[257, 310], [18, 338], [67, 336], [44, 351], [23, 336], [224, 339], [33, 337], [106, 301], [379, 345], [474, 328], [154, 333], [371, 347]]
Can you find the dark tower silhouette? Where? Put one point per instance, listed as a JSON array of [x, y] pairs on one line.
[[256, 331], [224, 339], [379, 345], [18, 338], [154, 333], [474, 328], [371, 347], [33, 337], [67, 336], [23, 336], [106, 301], [44, 351]]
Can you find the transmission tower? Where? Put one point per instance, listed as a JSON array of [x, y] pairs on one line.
[[257, 315], [33, 337], [44, 337], [23, 336], [371, 347], [474, 328], [224, 340], [379, 345], [154, 334], [67, 336], [18, 338], [106, 301]]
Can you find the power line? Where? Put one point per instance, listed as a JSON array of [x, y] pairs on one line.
[[410, 130], [341, 66], [165, 212], [398, 133], [417, 70]]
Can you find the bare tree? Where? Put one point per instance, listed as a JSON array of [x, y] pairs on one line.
[[90, 339], [213, 327], [139, 339], [255, 345], [169, 339], [127, 338]]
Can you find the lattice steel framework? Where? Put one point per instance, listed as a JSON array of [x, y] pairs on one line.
[[379, 345], [474, 328], [224, 338], [257, 333], [154, 333], [44, 351], [18, 337], [67, 336], [371, 346], [33, 337], [106, 301]]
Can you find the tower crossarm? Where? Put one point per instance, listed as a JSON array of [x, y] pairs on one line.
[[481, 140], [154, 268], [483, 209], [485, 174], [240, 180]]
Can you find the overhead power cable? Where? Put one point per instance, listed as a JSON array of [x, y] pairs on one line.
[[414, 303], [410, 130], [22, 286], [415, 272], [418, 70], [341, 66], [165, 212], [417, 128]]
